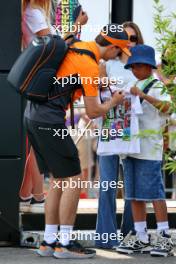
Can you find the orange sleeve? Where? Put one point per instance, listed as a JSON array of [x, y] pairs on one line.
[[89, 75]]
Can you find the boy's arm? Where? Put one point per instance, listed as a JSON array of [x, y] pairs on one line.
[[162, 106]]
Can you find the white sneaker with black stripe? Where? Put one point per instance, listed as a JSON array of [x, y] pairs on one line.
[[131, 244], [163, 246]]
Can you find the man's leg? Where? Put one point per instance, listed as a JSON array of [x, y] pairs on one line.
[[68, 248], [68, 207], [60, 207], [51, 210]]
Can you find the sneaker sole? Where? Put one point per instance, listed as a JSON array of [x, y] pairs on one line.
[[126, 251], [70, 255], [156, 254], [45, 254]]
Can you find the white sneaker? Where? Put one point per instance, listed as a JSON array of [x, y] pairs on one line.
[[163, 246], [131, 244]]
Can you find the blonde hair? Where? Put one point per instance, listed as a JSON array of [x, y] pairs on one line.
[[41, 4]]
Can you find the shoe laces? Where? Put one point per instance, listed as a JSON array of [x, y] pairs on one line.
[[129, 240], [53, 245], [163, 243], [76, 244]]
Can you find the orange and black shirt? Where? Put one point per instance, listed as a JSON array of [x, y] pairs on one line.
[[78, 75]]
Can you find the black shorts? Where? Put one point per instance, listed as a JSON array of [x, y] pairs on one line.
[[55, 152]]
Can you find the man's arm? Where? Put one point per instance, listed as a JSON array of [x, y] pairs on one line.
[[95, 109]]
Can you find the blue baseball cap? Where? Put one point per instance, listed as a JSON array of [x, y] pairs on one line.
[[141, 54]]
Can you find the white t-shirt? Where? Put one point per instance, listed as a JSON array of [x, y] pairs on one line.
[[33, 21], [151, 122], [120, 128], [129, 124], [125, 78]]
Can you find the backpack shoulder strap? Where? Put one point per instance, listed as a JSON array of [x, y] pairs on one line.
[[84, 51], [73, 39], [147, 88]]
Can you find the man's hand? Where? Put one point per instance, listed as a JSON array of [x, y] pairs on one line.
[[136, 91], [118, 98]]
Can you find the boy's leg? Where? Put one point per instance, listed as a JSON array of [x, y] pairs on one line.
[[164, 244], [139, 242], [139, 210], [160, 208], [139, 217], [159, 205]]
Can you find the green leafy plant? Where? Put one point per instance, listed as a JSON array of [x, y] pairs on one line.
[[166, 45]]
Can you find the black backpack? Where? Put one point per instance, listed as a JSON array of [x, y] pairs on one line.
[[32, 75]]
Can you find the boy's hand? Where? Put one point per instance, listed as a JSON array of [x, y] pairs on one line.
[[118, 98], [136, 91]]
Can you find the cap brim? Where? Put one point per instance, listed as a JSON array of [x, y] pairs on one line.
[[127, 66], [126, 51], [120, 43]]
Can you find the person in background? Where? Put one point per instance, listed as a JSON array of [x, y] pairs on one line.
[[85, 155], [109, 165], [36, 22]]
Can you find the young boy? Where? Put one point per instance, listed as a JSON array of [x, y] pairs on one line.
[[142, 172]]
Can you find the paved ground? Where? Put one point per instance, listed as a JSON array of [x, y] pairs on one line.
[[27, 256]]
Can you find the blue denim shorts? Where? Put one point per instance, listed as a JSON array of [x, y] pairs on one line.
[[143, 179]]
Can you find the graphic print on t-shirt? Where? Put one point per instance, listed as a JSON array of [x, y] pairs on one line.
[[65, 15], [117, 122]]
